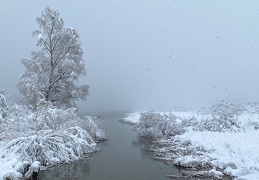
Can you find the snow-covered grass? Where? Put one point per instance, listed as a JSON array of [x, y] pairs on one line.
[[224, 141], [45, 136], [235, 153]]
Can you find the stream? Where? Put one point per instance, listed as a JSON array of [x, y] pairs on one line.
[[121, 157]]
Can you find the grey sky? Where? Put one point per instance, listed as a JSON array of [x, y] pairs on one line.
[[144, 54]]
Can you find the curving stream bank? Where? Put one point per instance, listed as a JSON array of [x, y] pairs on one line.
[[121, 157]]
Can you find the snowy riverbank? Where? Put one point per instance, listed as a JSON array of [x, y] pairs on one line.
[[224, 141], [48, 136]]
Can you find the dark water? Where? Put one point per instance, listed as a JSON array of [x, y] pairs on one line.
[[121, 157]]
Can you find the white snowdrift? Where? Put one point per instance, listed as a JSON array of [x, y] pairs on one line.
[[235, 153]]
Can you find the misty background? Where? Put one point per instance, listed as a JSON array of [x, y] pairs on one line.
[[142, 54]]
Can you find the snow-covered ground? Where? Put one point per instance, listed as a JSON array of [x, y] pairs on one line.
[[131, 118], [235, 153], [231, 148]]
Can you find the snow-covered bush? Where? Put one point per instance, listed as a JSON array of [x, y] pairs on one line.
[[92, 128], [208, 144], [24, 121], [229, 116], [228, 109], [157, 125], [51, 148], [225, 115], [217, 125], [48, 135]]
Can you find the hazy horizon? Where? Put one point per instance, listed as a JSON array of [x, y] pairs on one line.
[[143, 54]]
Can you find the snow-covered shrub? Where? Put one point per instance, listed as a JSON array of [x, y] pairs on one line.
[[252, 107], [217, 125], [50, 147], [157, 125], [92, 128], [48, 135], [224, 116], [227, 109], [24, 121]]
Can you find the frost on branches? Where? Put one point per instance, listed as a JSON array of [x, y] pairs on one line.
[[48, 135], [54, 69], [3, 107], [45, 129]]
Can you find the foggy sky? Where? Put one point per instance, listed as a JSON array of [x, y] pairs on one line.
[[142, 54]]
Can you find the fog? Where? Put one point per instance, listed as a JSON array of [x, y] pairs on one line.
[[143, 54]]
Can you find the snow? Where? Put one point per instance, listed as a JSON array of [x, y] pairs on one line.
[[35, 167], [9, 167], [3, 107], [234, 150], [40, 36], [131, 118], [42, 138], [237, 153]]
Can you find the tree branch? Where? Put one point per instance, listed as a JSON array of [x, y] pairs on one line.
[[47, 46], [57, 79], [59, 59]]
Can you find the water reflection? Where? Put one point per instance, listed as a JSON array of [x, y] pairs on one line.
[[123, 156], [66, 171]]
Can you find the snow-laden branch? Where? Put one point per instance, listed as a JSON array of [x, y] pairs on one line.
[[48, 136]]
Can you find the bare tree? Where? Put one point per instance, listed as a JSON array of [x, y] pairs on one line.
[[54, 69]]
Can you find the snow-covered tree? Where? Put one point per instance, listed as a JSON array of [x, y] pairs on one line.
[[54, 69], [3, 106]]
